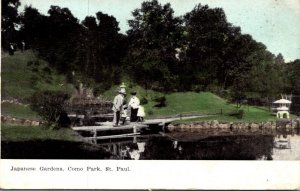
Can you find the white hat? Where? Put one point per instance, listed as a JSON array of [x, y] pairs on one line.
[[122, 91]]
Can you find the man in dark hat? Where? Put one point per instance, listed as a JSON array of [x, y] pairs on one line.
[[117, 106]]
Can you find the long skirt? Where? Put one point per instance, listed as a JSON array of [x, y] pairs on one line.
[[133, 115]]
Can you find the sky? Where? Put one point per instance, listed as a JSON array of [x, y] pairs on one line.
[[276, 23]]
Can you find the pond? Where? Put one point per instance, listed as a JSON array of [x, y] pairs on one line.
[[281, 145]]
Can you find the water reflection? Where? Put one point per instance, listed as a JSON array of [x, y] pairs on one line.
[[286, 147], [281, 145]]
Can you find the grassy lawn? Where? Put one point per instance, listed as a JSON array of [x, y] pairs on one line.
[[141, 92], [190, 103], [195, 103], [23, 74], [252, 114], [23, 133], [19, 111], [177, 103]]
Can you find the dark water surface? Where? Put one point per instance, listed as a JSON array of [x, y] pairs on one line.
[[171, 146]]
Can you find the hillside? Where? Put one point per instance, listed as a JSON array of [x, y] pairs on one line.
[[189, 103], [22, 75]]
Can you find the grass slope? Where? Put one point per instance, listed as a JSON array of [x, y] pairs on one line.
[[252, 114], [190, 103], [19, 111], [23, 133], [22, 75], [193, 103]]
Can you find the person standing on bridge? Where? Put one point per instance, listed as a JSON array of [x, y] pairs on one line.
[[133, 104], [141, 113], [118, 106]]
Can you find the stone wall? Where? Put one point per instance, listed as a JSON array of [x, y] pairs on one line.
[[13, 101], [201, 125], [20, 121]]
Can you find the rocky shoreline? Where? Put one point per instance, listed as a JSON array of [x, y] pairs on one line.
[[215, 124]]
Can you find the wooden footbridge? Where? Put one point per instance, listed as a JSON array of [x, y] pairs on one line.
[[131, 128]]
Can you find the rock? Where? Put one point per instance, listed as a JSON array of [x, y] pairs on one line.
[[224, 126], [206, 125], [234, 126], [294, 124], [192, 128], [171, 127], [273, 125], [3, 119], [35, 123], [240, 126], [214, 124], [254, 126], [183, 127], [288, 126], [198, 128], [18, 121], [27, 122], [267, 125]]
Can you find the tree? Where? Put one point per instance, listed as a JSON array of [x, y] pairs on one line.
[[295, 81], [9, 21], [154, 35], [34, 28], [279, 59], [100, 49], [93, 50], [53, 36], [51, 107], [207, 36]]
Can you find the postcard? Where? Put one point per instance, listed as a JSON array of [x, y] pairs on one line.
[[153, 94]]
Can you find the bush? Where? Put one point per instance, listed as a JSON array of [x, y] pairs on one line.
[[197, 88], [50, 106], [144, 101], [150, 112], [97, 90], [238, 114], [161, 101], [47, 71]]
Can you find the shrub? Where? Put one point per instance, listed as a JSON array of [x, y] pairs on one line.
[[238, 114], [144, 101], [50, 106], [160, 101], [47, 71], [197, 88], [97, 90], [150, 112]]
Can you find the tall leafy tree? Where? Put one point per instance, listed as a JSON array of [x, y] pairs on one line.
[[9, 21], [34, 28], [53, 36], [63, 30], [295, 81], [154, 35], [207, 35], [100, 49]]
